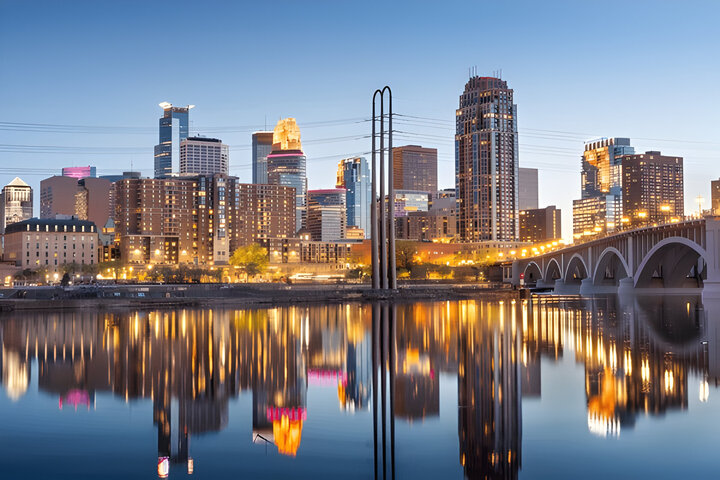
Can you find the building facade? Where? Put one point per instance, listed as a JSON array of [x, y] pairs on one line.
[[261, 148], [486, 162], [426, 226], [599, 210], [407, 201], [286, 165], [79, 172], [86, 198], [174, 128], [262, 211], [16, 203], [326, 214], [540, 224], [204, 156], [354, 176], [715, 196], [50, 243], [528, 188], [652, 189], [415, 168]]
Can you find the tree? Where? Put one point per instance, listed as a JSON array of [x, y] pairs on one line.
[[253, 259], [405, 252]]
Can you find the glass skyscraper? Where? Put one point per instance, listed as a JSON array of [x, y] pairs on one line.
[[173, 130], [286, 165], [261, 148], [354, 176]]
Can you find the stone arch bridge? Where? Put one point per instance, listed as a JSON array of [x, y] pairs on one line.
[[670, 258]]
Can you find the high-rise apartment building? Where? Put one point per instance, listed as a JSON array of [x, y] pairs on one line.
[[286, 165], [263, 211], [16, 203], [415, 168], [353, 175], [261, 147], [528, 188], [652, 188], [486, 162], [86, 198], [326, 214], [79, 172], [204, 156], [199, 220], [599, 211], [174, 128], [540, 224]]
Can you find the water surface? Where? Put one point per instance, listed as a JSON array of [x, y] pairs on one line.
[[549, 388]]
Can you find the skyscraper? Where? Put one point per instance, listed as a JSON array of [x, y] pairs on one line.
[[286, 164], [599, 211], [174, 127], [540, 224], [528, 188], [204, 156], [415, 168], [261, 148], [354, 176], [486, 162], [652, 188], [87, 198], [326, 214], [16, 203]]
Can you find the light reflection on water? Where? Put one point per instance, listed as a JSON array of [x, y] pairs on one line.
[[530, 389]]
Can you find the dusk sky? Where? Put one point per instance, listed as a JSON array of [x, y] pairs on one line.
[[86, 78]]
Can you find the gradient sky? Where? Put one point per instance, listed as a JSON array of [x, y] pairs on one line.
[[647, 70]]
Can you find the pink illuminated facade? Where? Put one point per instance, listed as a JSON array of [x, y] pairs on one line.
[[79, 172]]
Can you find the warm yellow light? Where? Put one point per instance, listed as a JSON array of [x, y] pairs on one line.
[[665, 208], [625, 220], [642, 214], [157, 251]]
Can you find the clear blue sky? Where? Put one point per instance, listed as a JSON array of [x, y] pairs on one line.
[[647, 70]]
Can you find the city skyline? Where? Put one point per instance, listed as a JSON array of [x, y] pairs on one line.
[[555, 117]]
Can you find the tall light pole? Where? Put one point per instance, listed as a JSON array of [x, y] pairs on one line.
[[383, 277]]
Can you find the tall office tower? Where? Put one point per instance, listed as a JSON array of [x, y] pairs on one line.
[[174, 127], [86, 198], [204, 156], [599, 210], [527, 188], [79, 172], [715, 196], [326, 214], [415, 168], [540, 224], [261, 148], [215, 202], [16, 203], [286, 165], [486, 162], [353, 175], [652, 188]]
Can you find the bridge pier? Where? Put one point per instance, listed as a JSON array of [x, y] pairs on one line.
[[588, 287], [564, 288], [626, 286]]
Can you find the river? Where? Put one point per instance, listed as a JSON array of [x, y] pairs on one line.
[[551, 387]]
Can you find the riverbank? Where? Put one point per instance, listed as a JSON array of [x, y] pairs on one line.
[[204, 295]]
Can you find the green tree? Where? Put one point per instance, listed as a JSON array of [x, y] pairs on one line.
[[253, 259], [405, 252]]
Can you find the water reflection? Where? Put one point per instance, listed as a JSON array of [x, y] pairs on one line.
[[637, 356]]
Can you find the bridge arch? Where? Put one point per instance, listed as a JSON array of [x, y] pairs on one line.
[[576, 269], [668, 264], [552, 271], [611, 267], [532, 272]]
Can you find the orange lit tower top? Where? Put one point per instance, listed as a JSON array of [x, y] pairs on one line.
[[286, 135]]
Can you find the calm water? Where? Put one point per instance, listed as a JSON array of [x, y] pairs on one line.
[[548, 388]]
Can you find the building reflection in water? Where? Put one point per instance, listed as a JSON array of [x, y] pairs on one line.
[[637, 354]]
